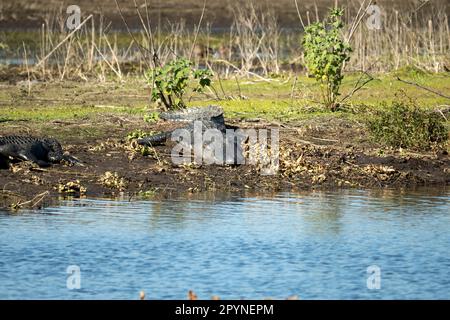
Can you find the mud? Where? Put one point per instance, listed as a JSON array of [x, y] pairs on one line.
[[114, 168]]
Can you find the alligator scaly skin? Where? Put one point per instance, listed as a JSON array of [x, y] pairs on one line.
[[42, 151], [211, 118]]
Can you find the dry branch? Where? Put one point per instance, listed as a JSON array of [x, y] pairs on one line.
[[424, 88]]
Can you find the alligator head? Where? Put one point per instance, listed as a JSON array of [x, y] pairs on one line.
[[54, 149]]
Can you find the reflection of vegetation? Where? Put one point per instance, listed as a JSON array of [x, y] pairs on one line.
[[402, 198], [325, 211]]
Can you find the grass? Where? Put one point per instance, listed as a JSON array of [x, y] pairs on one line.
[[100, 50], [277, 99], [65, 112]]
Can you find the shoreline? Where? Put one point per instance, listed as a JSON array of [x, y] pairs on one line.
[[319, 149], [113, 168]]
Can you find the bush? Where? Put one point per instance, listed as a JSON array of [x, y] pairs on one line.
[[171, 80], [325, 55], [405, 125]]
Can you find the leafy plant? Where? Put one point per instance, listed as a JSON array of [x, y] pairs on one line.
[[138, 134], [405, 125], [171, 81], [325, 54], [151, 117]]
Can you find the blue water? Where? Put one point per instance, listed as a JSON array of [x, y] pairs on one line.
[[314, 245]]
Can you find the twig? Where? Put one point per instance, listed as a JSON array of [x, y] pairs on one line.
[[293, 90], [443, 111], [358, 86], [40, 197], [239, 87], [198, 30], [109, 64], [358, 20], [221, 86], [322, 139], [299, 15], [424, 88], [140, 47], [28, 70], [64, 40]]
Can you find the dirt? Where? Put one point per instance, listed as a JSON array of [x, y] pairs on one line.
[[112, 167]]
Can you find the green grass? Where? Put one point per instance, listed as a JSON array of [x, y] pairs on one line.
[[59, 113], [277, 99], [281, 101]]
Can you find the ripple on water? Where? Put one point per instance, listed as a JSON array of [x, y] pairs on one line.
[[314, 245]]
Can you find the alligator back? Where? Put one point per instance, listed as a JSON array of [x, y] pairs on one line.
[[17, 140], [47, 149], [211, 117], [212, 113]]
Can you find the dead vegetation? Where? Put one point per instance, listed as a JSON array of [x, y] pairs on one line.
[[255, 44]]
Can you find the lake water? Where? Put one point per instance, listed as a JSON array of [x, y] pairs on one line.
[[316, 245]]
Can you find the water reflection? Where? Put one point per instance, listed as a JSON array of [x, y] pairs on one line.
[[313, 244]]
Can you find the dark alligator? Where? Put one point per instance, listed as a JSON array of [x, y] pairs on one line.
[[210, 117], [42, 151]]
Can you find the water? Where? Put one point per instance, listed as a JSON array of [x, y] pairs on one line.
[[314, 245]]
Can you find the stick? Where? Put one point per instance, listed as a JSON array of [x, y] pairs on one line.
[[424, 88], [64, 40], [109, 64], [28, 70], [299, 15], [198, 30], [39, 198], [358, 86], [140, 47]]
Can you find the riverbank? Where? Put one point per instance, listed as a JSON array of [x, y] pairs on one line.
[[318, 149]]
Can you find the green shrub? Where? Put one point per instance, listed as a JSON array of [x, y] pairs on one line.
[[171, 80], [325, 55], [405, 125]]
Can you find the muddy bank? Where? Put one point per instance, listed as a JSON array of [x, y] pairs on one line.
[[311, 157]]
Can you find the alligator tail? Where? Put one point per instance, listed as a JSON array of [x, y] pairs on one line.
[[155, 139]]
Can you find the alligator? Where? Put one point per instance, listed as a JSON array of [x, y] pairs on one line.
[[42, 151], [210, 117]]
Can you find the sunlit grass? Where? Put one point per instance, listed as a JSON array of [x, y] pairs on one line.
[[285, 98]]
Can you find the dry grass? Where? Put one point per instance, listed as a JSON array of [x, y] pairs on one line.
[[254, 44]]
